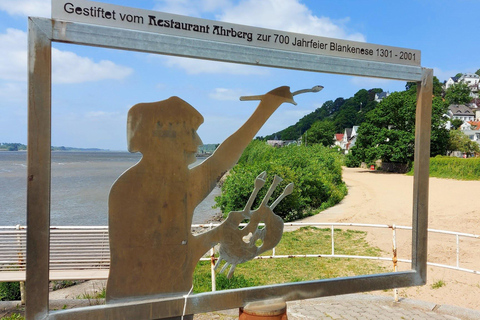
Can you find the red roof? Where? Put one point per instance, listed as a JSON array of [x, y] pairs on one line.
[[339, 136], [475, 125]]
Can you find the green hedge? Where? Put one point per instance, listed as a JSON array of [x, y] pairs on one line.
[[9, 291], [454, 168], [315, 170]]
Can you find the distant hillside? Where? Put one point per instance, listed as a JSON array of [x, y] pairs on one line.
[[62, 148], [345, 113], [7, 146]]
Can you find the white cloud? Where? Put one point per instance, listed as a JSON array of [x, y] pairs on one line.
[[287, 15], [68, 67], [195, 66], [224, 94], [13, 53], [191, 8], [37, 8]]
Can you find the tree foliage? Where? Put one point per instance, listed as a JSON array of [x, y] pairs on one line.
[[388, 132], [437, 87], [12, 146], [315, 171], [320, 132], [456, 123], [459, 141], [459, 93], [344, 113]]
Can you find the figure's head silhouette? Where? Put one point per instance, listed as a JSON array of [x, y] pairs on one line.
[[156, 126]]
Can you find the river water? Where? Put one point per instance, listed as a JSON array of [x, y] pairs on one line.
[[80, 185]]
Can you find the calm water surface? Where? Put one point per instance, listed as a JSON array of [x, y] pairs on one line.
[[80, 185]]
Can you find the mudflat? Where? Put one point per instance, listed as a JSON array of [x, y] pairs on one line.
[[384, 198]]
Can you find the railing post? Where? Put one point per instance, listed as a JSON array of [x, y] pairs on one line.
[[394, 259], [21, 263], [333, 243], [212, 265], [212, 269], [458, 252]]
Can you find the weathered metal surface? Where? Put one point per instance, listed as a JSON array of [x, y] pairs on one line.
[[100, 36], [152, 249], [225, 32], [421, 174], [38, 171], [230, 299], [241, 244]]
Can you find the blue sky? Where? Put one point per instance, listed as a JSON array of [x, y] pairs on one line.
[[94, 88]]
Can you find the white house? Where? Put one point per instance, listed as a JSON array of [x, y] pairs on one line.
[[473, 82], [451, 81], [471, 79], [349, 138], [338, 140], [477, 115], [460, 111], [380, 96]]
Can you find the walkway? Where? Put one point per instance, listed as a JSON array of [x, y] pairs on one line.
[[361, 307]]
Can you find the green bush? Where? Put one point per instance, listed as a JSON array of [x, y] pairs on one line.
[[315, 170], [454, 168], [351, 159], [10, 291]]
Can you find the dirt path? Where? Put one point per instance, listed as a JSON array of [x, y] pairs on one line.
[[381, 198]]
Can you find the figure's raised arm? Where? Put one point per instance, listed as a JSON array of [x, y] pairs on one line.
[[227, 154]]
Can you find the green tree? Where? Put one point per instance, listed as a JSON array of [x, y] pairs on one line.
[[459, 141], [345, 113], [437, 87], [477, 72], [456, 123], [458, 93], [458, 75], [321, 132], [388, 132]]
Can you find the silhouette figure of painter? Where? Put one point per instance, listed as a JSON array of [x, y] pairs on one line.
[[153, 251]]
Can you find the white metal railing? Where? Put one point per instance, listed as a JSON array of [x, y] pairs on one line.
[[84, 250], [75, 253]]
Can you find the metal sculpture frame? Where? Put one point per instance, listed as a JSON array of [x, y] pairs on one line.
[[42, 32]]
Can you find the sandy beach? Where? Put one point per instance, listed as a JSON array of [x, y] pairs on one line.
[[381, 198]]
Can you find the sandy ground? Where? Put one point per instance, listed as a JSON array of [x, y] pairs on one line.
[[381, 198]]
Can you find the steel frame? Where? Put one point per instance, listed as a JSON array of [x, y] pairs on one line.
[[41, 34]]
